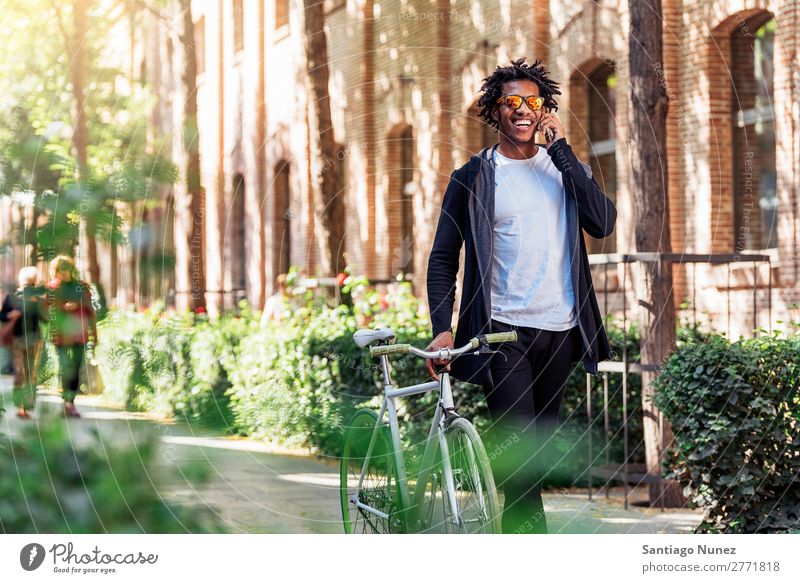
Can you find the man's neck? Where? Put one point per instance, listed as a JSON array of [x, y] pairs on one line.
[[517, 151]]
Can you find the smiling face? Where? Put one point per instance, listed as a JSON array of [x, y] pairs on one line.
[[518, 126]]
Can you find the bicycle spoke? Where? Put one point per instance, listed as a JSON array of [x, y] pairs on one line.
[[458, 492], [378, 489]]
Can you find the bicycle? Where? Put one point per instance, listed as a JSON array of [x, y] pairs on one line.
[[454, 486]]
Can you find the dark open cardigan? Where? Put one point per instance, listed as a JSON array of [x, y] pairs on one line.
[[467, 217]]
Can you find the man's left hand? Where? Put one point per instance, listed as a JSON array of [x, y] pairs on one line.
[[549, 121]]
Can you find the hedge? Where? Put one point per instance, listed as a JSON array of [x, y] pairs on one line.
[[735, 412], [298, 382], [733, 406]]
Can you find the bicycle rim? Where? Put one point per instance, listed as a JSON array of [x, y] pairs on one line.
[[379, 487]]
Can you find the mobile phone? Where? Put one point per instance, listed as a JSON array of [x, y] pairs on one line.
[[548, 134]]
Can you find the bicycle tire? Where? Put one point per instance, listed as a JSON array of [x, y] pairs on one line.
[[427, 515], [477, 501], [381, 489]]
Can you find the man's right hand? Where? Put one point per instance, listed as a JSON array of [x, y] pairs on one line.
[[443, 340]]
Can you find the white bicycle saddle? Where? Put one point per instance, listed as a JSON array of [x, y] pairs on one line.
[[365, 336]]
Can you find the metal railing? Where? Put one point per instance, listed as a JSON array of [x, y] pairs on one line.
[[610, 471]]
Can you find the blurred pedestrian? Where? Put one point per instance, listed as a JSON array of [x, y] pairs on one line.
[[72, 325], [22, 312], [277, 305]]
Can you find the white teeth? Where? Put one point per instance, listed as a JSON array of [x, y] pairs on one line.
[[522, 123]]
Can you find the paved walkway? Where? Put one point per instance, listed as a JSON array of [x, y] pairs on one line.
[[255, 487]]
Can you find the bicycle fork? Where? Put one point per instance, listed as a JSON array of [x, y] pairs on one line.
[[449, 483], [447, 410]]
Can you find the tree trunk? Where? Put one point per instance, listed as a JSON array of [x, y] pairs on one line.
[[189, 212], [80, 137], [259, 198], [327, 155], [648, 107]]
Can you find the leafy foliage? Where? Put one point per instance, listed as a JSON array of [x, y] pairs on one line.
[[298, 381], [36, 163], [50, 483], [573, 435], [735, 411]]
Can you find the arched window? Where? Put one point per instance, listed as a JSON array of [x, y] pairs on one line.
[[236, 227], [282, 219], [593, 106], [755, 178], [238, 25], [281, 14], [400, 200]]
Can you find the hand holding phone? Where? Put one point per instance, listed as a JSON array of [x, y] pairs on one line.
[[550, 127]]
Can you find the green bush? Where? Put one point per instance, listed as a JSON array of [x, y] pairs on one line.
[[299, 381], [169, 363], [735, 412], [263, 401], [572, 436], [203, 396], [142, 359], [52, 484]]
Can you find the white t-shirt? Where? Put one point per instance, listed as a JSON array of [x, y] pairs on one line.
[[531, 282]]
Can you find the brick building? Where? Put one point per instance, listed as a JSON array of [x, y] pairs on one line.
[[404, 78]]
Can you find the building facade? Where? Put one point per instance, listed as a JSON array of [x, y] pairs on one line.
[[404, 80]]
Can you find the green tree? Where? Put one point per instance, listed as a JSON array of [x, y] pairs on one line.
[[71, 140]]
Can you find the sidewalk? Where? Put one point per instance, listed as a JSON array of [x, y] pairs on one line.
[[256, 487]]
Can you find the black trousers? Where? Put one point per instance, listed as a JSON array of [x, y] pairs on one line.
[[529, 377], [70, 359]]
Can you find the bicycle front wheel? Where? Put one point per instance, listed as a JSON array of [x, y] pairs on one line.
[[374, 507], [472, 505]]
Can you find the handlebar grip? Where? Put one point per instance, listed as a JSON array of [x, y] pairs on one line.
[[498, 337], [388, 349]]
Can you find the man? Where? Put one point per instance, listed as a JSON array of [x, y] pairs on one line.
[[519, 207]]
